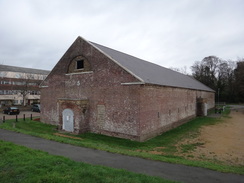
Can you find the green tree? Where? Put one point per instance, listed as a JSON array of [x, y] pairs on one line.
[[239, 80], [206, 71], [219, 75]]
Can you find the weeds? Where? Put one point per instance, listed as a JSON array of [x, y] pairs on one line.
[[185, 148]]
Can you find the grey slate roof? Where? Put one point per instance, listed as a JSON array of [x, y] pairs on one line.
[[23, 70], [151, 73]]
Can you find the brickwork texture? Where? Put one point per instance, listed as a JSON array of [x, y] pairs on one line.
[[103, 104]]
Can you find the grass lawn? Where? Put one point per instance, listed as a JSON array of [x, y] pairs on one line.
[[161, 148], [21, 164]]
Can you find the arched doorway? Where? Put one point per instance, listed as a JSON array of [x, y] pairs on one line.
[[68, 120]]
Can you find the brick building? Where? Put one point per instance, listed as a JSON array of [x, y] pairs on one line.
[[100, 90], [19, 85]]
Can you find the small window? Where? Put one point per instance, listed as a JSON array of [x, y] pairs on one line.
[[80, 64]]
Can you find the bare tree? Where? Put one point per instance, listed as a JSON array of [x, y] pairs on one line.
[[206, 71], [219, 75], [27, 86], [226, 79]]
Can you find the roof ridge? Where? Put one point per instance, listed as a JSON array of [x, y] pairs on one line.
[[138, 58], [23, 67], [149, 72], [127, 54]]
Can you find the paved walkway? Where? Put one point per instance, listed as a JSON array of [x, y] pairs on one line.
[[96, 157], [236, 107]]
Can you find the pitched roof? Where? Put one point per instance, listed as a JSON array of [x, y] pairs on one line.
[[151, 73], [23, 70]]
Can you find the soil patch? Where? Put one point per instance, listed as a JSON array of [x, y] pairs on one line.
[[62, 135], [220, 142]]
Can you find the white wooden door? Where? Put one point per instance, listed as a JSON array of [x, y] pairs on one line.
[[68, 120]]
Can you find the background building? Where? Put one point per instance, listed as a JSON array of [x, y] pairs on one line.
[[20, 86]]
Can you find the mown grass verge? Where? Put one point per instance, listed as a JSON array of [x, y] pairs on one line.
[[165, 144], [21, 164]]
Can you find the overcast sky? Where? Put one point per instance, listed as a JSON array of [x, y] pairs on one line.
[[171, 33]]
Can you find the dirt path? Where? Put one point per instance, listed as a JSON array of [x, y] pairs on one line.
[[223, 141]]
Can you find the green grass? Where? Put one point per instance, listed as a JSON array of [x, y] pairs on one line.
[[21, 164], [165, 143], [190, 147]]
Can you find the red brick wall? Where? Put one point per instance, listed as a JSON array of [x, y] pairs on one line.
[[101, 86], [163, 108]]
